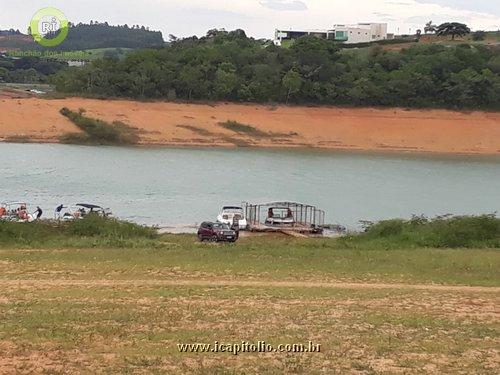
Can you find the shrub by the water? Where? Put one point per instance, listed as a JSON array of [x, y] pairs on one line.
[[94, 225], [441, 232], [240, 128], [97, 131], [92, 231], [419, 232]]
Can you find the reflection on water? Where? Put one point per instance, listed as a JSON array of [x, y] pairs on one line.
[[186, 186]]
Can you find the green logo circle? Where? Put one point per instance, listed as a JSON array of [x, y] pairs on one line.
[[49, 20]]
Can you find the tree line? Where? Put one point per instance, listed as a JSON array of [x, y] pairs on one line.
[[10, 32], [28, 69], [230, 66], [96, 34]]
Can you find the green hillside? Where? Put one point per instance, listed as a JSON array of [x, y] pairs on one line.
[[230, 66], [89, 36]]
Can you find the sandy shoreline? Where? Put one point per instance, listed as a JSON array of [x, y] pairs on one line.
[[329, 128]]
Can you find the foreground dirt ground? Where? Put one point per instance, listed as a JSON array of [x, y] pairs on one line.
[[161, 123], [63, 327], [127, 310]]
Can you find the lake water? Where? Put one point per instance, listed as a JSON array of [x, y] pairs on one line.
[[177, 187]]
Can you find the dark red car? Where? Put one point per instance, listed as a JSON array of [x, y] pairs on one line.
[[216, 232]]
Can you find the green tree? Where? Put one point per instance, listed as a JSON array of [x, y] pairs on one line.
[[430, 27], [462, 88], [189, 81], [3, 73], [453, 28], [478, 36], [292, 83], [494, 64], [226, 81]]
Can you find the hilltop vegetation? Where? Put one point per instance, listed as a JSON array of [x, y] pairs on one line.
[[102, 35], [90, 41], [230, 66], [28, 69], [84, 36]]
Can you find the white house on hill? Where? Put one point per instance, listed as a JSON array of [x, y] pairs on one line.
[[360, 33]]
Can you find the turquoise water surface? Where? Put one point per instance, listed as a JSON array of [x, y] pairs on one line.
[[179, 187]]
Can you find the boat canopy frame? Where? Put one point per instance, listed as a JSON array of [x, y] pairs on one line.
[[89, 206], [305, 215]]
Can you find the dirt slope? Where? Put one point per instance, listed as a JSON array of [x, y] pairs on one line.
[[363, 129]]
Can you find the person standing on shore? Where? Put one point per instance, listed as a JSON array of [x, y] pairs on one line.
[[38, 213], [236, 226], [58, 211]]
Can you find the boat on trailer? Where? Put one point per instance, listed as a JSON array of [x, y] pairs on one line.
[[228, 214]]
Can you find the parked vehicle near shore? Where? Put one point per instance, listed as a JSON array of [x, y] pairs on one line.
[[228, 214], [216, 232]]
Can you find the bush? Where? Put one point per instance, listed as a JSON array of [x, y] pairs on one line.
[[98, 131], [479, 35], [91, 231], [240, 128], [24, 233], [387, 228], [464, 232], [441, 232], [380, 42], [94, 225]]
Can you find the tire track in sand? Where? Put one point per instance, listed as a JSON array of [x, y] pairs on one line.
[[242, 283]]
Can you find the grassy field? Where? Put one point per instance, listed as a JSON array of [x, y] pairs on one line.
[[99, 53], [120, 299]]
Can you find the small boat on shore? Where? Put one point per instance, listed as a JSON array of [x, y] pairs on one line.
[[80, 210], [229, 214], [94, 209], [16, 212], [280, 216]]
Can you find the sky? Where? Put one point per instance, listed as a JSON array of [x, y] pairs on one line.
[[259, 18]]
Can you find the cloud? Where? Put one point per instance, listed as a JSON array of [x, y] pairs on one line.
[[385, 17], [259, 18], [485, 6], [284, 4], [398, 3], [437, 18]]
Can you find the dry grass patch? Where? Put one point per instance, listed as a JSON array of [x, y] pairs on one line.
[[137, 329]]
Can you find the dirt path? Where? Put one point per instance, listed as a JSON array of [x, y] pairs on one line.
[[243, 283], [199, 125]]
